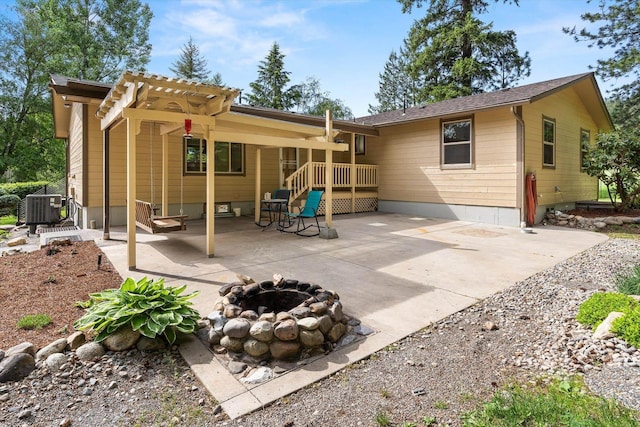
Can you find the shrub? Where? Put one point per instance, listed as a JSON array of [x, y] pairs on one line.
[[9, 204], [629, 283], [627, 327], [22, 189], [146, 306], [34, 321], [594, 310]]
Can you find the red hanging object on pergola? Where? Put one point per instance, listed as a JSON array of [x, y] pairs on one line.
[[187, 128]]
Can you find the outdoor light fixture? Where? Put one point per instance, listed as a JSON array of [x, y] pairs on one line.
[[187, 129]]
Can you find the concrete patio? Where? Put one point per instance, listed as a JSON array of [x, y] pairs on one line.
[[395, 273]]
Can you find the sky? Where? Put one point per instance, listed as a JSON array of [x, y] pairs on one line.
[[346, 43]]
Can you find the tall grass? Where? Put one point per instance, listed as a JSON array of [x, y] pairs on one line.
[[9, 219]]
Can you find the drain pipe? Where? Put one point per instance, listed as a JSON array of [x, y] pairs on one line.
[[517, 113]]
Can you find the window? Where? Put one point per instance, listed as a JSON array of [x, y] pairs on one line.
[[359, 144], [456, 143], [548, 142], [585, 141], [229, 157], [195, 155]]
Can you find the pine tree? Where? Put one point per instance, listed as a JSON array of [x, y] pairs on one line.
[[190, 64], [270, 88], [396, 88], [453, 53]]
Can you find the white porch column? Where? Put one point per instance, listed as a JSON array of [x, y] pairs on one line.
[[258, 189], [132, 125], [352, 148], [328, 199], [211, 190], [165, 174]]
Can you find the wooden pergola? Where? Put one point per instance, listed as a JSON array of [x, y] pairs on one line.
[[139, 97]]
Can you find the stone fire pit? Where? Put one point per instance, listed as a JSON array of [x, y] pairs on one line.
[[279, 319]]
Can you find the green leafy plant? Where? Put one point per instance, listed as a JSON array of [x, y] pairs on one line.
[[559, 403], [427, 421], [595, 309], [440, 404], [146, 306], [629, 283], [34, 321], [382, 419], [627, 327]]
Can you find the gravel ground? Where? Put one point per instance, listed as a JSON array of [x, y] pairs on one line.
[[442, 371]]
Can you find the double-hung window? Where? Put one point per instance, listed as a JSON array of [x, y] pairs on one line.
[[585, 141], [359, 144], [548, 142], [457, 142], [228, 159]]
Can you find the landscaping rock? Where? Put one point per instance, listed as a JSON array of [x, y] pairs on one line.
[[284, 349], [237, 328], [232, 344], [90, 351], [151, 344], [25, 347], [121, 340], [56, 360], [17, 241], [336, 332], [75, 340], [57, 346], [260, 375], [255, 348], [16, 367], [236, 367], [262, 331], [287, 330], [603, 331], [311, 338]]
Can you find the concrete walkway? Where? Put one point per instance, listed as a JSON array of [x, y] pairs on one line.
[[395, 273]]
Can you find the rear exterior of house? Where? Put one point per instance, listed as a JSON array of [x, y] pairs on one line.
[[464, 159]]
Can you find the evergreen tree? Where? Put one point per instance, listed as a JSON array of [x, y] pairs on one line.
[[396, 87], [453, 53], [270, 88], [190, 64]]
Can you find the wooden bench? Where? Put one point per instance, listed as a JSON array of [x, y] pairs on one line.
[[157, 224]]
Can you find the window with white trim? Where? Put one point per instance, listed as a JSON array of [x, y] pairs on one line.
[[228, 159], [359, 144], [585, 141], [548, 142], [457, 143]]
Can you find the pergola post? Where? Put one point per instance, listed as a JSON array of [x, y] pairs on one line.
[[328, 194], [258, 187], [352, 148], [165, 174], [131, 191], [105, 180], [211, 190]]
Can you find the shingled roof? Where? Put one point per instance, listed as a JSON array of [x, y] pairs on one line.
[[483, 101]]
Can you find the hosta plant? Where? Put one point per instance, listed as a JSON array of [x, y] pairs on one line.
[[146, 306]]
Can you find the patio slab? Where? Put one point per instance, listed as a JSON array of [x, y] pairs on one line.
[[395, 273]]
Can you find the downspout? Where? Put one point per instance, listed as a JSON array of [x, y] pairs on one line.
[[520, 194]]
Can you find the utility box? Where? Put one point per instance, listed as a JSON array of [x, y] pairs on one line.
[[42, 209]]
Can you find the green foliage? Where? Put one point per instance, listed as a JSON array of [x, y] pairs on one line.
[[34, 321], [382, 419], [146, 306], [315, 102], [595, 309], [452, 53], [22, 189], [396, 88], [190, 64], [629, 282], [615, 160], [560, 403], [627, 327], [9, 204], [270, 88]]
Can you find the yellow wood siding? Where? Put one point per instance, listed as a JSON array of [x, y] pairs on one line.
[[75, 153], [95, 160], [565, 183], [409, 163]]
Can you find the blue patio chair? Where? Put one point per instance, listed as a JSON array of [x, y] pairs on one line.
[[310, 211], [273, 211]]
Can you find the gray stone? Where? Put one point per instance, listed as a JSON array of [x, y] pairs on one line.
[[287, 330], [16, 367], [56, 360], [612, 220], [217, 320], [336, 332], [210, 335], [311, 338], [25, 347], [260, 375], [363, 330], [90, 351], [151, 344], [232, 344], [336, 311], [603, 331], [121, 340], [1, 355], [249, 315], [75, 340], [236, 367], [57, 346], [283, 315], [489, 326], [346, 340], [308, 324], [262, 330], [300, 312], [318, 308], [231, 311], [599, 224], [284, 349], [237, 328], [256, 348], [268, 317]]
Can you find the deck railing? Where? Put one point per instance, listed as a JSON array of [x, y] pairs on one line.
[[314, 176]]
